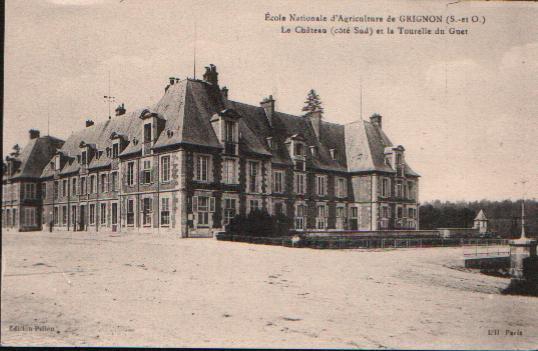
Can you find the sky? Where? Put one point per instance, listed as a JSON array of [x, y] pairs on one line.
[[465, 107]]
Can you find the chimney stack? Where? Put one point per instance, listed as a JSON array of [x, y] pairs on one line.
[[211, 76], [315, 121], [376, 119], [172, 80], [34, 134], [120, 110], [89, 123], [224, 92], [268, 105]]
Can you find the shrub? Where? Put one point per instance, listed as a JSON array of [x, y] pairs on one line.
[[259, 223]]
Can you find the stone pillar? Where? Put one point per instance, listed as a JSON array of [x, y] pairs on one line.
[[523, 267]]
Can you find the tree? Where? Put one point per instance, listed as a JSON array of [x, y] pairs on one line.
[[16, 150], [313, 102]]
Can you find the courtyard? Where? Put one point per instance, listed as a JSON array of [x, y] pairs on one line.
[[105, 289]]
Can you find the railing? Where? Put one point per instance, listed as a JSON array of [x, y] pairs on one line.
[[486, 248]]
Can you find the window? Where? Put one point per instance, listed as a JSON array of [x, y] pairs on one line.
[[130, 173], [411, 213], [82, 185], [300, 214], [55, 190], [114, 216], [43, 191], [114, 181], [278, 182], [146, 211], [65, 188], [103, 182], [202, 168], [165, 169], [55, 216], [253, 205], [385, 212], [203, 205], [398, 159], [399, 188], [253, 172], [29, 191], [29, 216], [321, 185], [146, 172], [57, 164], [130, 212], [321, 218], [399, 212], [147, 132], [229, 171], [115, 150], [229, 210], [64, 215], [84, 157], [278, 208], [299, 149], [229, 131], [340, 212], [385, 187], [165, 211], [341, 187], [102, 215], [411, 190], [300, 182], [93, 184], [74, 186], [92, 213]]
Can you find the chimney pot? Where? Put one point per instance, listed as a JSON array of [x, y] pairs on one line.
[[120, 110], [89, 123], [34, 133], [376, 119], [268, 105], [315, 121], [172, 80], [224, 92], [211, 75]]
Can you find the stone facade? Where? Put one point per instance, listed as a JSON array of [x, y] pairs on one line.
[[196, 159]]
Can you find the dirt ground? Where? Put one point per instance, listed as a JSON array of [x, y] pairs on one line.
[[110, 290]]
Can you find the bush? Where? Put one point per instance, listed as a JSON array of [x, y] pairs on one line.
[[259, 223]]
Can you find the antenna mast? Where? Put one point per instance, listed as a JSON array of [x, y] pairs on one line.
[[194, 53], [108, 98]]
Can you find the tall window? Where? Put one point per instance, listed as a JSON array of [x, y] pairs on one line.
[[203, 205], [130, 212], [411, 190], [146, 172], [64, 215], [229, 131], [399, 188], [165, 169], [341, 187], [43, 191], [92, 213], [147, 132], [103, 182], [385, 187], [300, 214], [254, 205], [29, 216], [84, 158], [74, 186], [115, 150], [102, 215], [146, 211], [340, 212], [130, 173], [65, 187], [202, 168], [300, 183], [56, 216], [252, 176], [321, 183], [55, 189], [29, 191], [229, 210], [321, 219], [278, 182], [114, 181], [299, 149], [165, 211], [229, 171]]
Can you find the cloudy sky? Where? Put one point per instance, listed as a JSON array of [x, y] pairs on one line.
[[464, 107]]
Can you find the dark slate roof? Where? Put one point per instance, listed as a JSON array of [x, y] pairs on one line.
[[35, 156]]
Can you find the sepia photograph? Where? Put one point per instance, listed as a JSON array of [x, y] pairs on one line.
[[306, 174]]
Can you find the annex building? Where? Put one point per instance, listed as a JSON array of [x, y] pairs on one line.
[[191, 162]]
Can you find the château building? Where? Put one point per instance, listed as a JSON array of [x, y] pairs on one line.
[[191, 162]]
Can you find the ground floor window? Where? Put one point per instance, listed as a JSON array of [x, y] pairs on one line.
[[55, 216], [165, 211], [146, 211], [73, 215], [229, 210], [8, 219], [254, 205], [29, 216], [278, 208], [321, 219], [300, 214], [102, 215], [130, 212], [92, 214], [203, 211], [114, 213], [64, 215]]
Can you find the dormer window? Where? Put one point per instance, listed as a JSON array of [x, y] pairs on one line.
[[333, 153], [229, 131], [115, 150], [314, 151], [299, 149], [147, 132], [84, 157], [269, 142], [57, 163]]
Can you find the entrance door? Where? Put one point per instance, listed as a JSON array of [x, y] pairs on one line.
[[74, 218], [114, 217], [354, 220], [82, 222]]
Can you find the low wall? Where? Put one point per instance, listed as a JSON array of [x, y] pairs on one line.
[[371, 234], [495, 262], [458, 232]]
